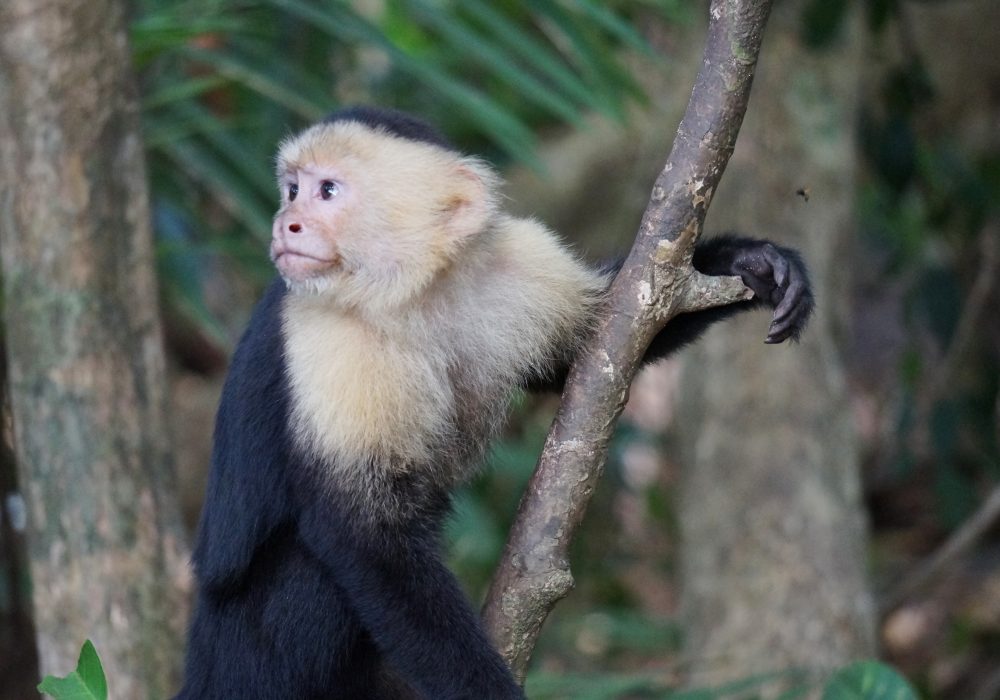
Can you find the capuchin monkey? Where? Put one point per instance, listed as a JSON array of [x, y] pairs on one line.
[[408, 309]]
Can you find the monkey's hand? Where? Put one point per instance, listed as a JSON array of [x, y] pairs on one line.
[[777, 276], [779, 279]]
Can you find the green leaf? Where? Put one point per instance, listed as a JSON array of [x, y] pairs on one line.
[[87, 682], [615, 25], [232, 192], [337, 21], [182, 90], [243, 158], [868, 680], [163, 32], [537, 55], [259, 78], [480, 48], [586, 50]]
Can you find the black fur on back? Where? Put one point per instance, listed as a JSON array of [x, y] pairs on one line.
[[312, 590], [394, 122]]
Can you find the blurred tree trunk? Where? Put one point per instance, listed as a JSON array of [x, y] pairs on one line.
[[86, 367], [18, 658], [774, 537]]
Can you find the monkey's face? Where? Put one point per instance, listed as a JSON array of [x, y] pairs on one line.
[[371, 219], [304, 244]]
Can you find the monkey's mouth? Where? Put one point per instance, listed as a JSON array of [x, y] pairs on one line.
[[296, 264]]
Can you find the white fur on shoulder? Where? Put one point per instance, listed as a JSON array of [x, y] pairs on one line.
[[413, 361]]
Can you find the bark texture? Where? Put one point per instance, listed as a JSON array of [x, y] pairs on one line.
[[86, 367], [655, 283], [774, 538]]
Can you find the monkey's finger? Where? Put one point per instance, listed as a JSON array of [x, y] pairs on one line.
[[780, 331], [775, 336], [792, 295], [784, 308], [778, 263], [793, 323]]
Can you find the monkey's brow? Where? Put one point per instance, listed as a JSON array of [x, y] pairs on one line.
[[311, 169]]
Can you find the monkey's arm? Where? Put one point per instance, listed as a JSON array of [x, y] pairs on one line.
[[408, 602], [777, 276], [246, 498]]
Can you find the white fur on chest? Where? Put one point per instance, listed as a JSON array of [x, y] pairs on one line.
[[358, 392], [517, 303]]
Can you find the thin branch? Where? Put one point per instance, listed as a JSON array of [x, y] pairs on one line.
[[938, 387], [960, 542], [655, 283], [969, 322]]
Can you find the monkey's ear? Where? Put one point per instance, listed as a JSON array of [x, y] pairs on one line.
[[474, 200]]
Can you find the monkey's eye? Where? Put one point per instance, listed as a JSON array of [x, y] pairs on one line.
[[293, 192], [328, 189]]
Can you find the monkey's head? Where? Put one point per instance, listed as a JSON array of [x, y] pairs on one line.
[[370, 214]]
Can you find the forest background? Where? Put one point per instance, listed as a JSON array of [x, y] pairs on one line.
[[767, 514]]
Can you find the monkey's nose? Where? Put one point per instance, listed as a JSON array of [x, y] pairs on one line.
[[295, 228]]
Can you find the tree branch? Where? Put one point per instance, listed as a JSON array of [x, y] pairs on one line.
[[943, 559], [942, 383], [656, 283], [938, 387]]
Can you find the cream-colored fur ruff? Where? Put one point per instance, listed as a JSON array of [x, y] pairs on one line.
[[518, 300]]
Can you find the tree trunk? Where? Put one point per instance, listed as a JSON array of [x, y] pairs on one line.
[[18, 658], [774, 542], [86, 367]]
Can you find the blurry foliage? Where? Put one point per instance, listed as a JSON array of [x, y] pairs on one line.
[[868, 680], [863, 680], [928, 203], [637, 686], [223, 81], [600, 620], [923, 208], [822, 21]]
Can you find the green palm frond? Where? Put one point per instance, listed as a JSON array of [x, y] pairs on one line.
[[225, 80]]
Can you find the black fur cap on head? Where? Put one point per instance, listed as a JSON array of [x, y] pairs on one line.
[[393, 121]]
